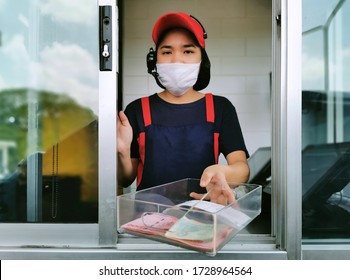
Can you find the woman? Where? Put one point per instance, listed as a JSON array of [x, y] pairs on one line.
[[179, 132]]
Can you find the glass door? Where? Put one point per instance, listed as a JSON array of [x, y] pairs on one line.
[[326, 119], [57, 120], [48, 111]]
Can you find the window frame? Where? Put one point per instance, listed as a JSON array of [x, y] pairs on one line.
[[95, 241]]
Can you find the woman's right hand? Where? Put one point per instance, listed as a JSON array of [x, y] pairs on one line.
[[124, 136]]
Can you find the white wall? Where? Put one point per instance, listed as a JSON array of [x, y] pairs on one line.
[[238, 45]]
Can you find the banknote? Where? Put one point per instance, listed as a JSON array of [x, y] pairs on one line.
[[191, 229]]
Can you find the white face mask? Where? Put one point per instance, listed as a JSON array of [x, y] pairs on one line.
[[177, 78]]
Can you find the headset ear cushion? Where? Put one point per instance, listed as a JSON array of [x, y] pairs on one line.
[[151, 61]]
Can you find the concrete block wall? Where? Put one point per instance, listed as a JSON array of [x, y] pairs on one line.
[[238, 45]]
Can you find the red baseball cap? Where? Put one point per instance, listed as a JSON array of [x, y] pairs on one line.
[[179, 19]]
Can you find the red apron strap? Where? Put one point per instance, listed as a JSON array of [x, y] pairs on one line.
[[142, 146], [216, 146], [146, 111], [209, 101], [147, 119]]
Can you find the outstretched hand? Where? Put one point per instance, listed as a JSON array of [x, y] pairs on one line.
[[217, 187]]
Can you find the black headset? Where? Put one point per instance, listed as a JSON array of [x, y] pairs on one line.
[[151, 62], [204, 70]]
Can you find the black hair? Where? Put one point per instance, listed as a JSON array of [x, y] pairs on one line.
[[204, 72]]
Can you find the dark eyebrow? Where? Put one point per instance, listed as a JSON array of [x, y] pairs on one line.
[[165, 47], [189, 46], [184, 46]]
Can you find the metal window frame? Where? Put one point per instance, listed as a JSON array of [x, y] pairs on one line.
[[286, 123], [100, 241], [107, 141]]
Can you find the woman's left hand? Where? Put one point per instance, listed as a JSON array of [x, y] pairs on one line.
[[217, 187]]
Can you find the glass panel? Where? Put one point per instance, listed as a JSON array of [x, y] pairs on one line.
[[313, 18], [48, 111], [326, 119], [313, 61]]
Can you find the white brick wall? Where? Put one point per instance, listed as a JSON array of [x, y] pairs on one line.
[[238, 45]]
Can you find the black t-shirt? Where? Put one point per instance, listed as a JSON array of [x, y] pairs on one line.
[[173, 115]]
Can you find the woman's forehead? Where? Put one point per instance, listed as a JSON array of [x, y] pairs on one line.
[[179, 34]]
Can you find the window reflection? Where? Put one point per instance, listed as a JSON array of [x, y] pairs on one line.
[[326, 108], [48, 111]]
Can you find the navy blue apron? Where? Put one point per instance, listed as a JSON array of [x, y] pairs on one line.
[[169, 154]]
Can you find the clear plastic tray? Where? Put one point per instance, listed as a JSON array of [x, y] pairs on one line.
[[167, 214]]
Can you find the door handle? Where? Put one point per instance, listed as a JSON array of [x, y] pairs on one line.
[[105, 22]]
